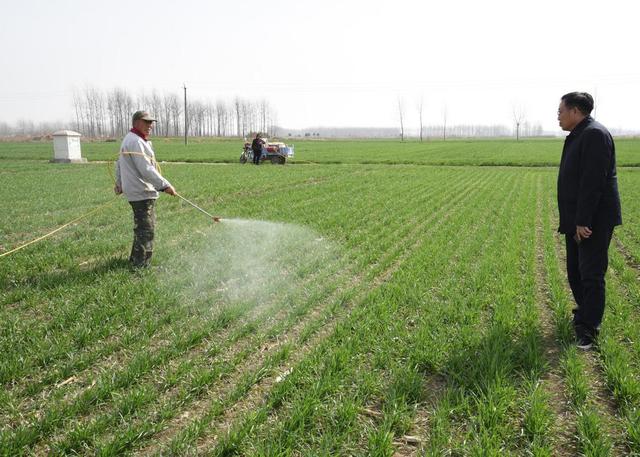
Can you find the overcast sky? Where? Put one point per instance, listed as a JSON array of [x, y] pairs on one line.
[[329, 63]]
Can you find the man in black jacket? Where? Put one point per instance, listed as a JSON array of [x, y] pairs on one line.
[[589, 207], [256, 147]]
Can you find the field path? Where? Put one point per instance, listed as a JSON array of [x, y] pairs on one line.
[[597, 406], [564, 441]]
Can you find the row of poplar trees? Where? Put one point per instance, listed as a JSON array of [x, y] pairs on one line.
[[105, 114]]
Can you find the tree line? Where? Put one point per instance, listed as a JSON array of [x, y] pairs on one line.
[[25, 128], [426, 133], [108, 114], [522, 127]]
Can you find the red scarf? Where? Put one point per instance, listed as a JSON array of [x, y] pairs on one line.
[[139, 133]]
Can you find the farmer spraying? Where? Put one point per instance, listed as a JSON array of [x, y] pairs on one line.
[[137, 176]]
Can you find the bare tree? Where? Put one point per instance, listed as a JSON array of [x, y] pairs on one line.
[[221, 119], [94, 105], [101, 113], [246, 108], [119, 109], [238, 111], [175, 107], [25, 126], [518, 118], [272, 120], [420, 107], [444, 123], [77, 106], [197, 118], [401, 114], [166, 113], [155, 105], [210, 113]]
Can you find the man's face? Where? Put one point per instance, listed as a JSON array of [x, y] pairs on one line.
[[144, 126], [568, 118]]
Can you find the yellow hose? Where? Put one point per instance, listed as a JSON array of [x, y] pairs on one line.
[[59, 228]]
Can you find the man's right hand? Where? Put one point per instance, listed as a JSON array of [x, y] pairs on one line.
[[582, 232], [170, 190]]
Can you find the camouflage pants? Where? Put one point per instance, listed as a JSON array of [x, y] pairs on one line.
[[144, 223]]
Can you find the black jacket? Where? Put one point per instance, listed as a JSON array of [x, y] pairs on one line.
[[256, 145], [587, 181]]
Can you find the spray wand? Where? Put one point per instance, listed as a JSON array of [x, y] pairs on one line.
[[215, 218]]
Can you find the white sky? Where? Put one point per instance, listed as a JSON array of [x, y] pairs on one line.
[[329, 63]]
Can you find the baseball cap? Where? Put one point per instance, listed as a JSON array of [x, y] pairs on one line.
[[144, 115]]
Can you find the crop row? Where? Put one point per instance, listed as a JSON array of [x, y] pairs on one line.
[[527, 152], [406, 316], [91, 399]]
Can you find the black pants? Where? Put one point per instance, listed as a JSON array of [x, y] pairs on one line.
[[256, 157], [587, 264], [144, 222]]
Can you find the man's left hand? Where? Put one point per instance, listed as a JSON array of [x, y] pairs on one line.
[[582, 232]]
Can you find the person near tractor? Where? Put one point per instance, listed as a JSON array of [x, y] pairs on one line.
[[256, 147], [138, 177], [589, 207]]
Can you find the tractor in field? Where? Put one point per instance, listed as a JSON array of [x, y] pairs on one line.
[[276, 152]]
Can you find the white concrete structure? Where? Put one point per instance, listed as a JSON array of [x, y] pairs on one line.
[[66, 147]]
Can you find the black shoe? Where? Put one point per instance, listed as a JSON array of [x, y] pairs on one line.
[[139, 266], [585, 343], [585, 337]]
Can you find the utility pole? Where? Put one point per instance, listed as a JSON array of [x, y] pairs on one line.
[[185, 113]]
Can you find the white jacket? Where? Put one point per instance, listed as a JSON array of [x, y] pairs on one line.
[[136, 170]]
